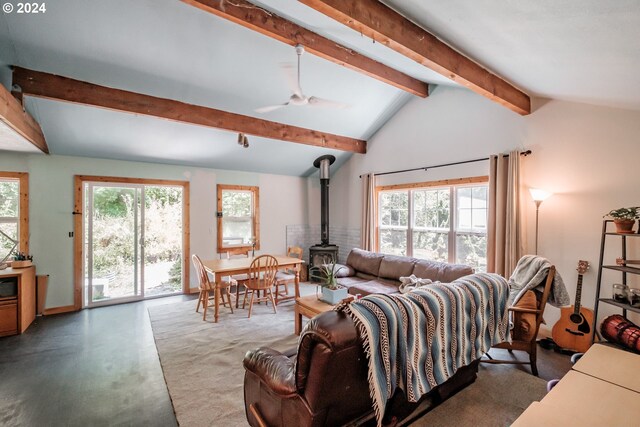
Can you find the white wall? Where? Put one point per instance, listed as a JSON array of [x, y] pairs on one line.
[[450, 125], [586, 155], [283, 201]]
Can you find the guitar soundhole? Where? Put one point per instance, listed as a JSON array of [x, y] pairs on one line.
[[576, 318]]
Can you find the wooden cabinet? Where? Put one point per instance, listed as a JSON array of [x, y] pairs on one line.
[[17, 312], [8, 318]]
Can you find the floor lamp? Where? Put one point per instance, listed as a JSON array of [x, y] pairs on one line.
[[538, 197]]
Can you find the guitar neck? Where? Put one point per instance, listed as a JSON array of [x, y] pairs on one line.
[[578, 294]]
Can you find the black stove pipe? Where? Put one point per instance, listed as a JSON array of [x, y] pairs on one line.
[[323, 163]]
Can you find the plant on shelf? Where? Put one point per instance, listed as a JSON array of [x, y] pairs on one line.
[[21, 256], [21, 259], [624, 218], [326, 274]]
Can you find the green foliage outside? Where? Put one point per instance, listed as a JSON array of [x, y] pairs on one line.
[[237, 224], [431, 224], [9, 198], [9, 205], [114, 226], [236, 203], [175, 273]]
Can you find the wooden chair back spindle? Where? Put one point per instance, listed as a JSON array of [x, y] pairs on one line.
[[262, 276], [205, 287]]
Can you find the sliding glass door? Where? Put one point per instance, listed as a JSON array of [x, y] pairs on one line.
[[133, 242]]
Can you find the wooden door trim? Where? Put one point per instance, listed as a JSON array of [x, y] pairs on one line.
[[78, 231]]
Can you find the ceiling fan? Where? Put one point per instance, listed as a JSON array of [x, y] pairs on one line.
[[298, 98]]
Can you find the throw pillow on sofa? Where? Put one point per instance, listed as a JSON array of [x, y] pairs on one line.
[[342, 270], [412, 282]]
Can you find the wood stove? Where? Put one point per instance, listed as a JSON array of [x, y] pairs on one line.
[[324, 252]]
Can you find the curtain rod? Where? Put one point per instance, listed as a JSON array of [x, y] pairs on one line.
[[425, 168]]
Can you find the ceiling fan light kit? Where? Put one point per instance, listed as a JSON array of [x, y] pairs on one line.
[[298, 98]]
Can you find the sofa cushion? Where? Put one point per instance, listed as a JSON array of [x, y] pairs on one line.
[[440, 271], [372, 287], [451, 272], [365, 261], [350, 281], [425, 269], [394, 267], [366, 276]]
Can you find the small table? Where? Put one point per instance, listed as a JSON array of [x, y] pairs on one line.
[[308, 307]]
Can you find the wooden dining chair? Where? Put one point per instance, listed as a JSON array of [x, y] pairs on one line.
[[238, 281], [284, 278], [207, 289], [262, 276], [527, 317]]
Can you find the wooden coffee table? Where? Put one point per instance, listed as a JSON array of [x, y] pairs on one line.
[[308, 307]]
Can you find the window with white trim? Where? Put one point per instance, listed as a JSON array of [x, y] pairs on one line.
[[438, 222]]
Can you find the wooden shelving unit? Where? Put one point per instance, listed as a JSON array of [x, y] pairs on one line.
[[625, 270]]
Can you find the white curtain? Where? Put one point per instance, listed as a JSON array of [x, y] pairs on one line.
[[504, 238], [369, 206]]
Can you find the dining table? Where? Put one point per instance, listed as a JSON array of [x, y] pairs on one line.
[[220, 268]]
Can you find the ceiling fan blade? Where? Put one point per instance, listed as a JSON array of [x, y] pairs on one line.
[[270, 108], [293, 78], [320, 102]]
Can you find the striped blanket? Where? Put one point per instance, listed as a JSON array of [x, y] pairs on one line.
[[416, 341]]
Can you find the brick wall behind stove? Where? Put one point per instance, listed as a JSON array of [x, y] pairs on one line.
[[309, 235]]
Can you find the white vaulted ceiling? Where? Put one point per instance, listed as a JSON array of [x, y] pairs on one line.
[[575, 50]]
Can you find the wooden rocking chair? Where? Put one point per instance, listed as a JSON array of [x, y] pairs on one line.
[[527, 316]]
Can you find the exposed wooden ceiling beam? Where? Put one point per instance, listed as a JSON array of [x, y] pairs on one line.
[[59, 88], [14, 116], [384, 25], [257, 19]]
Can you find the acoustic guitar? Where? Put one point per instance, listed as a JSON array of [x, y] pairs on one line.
[[573, 330]]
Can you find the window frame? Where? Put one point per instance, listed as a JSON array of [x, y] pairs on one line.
[[23, 207], [255, 192], [452, 231]]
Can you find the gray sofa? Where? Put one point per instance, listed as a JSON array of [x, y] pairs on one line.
[[373, 273]]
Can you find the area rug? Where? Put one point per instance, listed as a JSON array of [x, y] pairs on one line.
[[202, 365]]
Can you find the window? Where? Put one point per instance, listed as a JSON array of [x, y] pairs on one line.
[[443, 221], [14, 213], [238, 223]]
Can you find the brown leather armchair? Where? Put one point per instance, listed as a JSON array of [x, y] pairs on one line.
[[325, 382]]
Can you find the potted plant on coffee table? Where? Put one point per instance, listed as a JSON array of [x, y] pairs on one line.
[[624, 218], [332, 292]]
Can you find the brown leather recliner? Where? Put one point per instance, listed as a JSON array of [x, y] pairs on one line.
[[325, 382]]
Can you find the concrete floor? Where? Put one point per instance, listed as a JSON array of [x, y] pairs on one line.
[[100, 367], [96, 367]]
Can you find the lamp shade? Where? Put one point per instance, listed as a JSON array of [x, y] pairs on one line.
[[539, 195]]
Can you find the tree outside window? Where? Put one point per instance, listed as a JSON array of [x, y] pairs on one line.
[[394, 222]]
